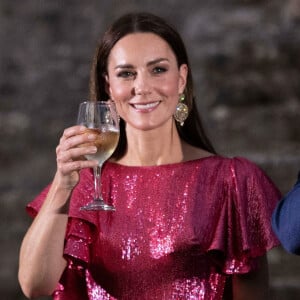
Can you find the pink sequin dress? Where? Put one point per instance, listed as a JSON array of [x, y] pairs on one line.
[[179, 230]]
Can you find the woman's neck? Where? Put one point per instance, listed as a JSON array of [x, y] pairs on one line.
[[152, 147]]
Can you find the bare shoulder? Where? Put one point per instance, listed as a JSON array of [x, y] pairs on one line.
[[191, 153]]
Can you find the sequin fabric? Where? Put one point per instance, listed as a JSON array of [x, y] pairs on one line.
[[178, 232]]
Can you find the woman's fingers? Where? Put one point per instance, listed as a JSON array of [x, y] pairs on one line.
[[72, 148], [72, 166], [74, 130], [75, 137], [74, 153]]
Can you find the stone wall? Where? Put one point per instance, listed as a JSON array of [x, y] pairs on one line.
[[246, 64]]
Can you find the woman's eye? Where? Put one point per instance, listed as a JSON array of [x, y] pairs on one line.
[[158, 70], [126, 74]]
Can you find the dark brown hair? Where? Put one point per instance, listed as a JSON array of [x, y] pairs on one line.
[[192, 131]]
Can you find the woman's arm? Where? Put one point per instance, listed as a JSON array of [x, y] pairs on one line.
[[286, 220], [41, 262], [254, 285], [41, 256]]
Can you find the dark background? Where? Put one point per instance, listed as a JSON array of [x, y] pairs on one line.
[[246, 62]]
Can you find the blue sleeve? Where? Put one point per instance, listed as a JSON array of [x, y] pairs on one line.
[[286, 220]]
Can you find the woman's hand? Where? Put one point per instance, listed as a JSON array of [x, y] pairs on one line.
[[73, 145], [44, 240]]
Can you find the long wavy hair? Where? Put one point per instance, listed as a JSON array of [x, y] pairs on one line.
[[192, 131]]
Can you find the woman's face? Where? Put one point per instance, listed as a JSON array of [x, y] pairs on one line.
[[144, 80]]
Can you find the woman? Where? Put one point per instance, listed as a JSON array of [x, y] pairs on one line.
[[286, 221], [189, 224]]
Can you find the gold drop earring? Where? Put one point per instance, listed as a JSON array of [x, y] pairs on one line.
[[182, 111]]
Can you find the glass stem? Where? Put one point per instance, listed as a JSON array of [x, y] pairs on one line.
[[97, 183]]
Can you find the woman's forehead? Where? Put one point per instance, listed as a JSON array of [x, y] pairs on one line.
[[146, 46]]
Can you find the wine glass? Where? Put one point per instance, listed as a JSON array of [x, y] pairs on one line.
[[101, 119]]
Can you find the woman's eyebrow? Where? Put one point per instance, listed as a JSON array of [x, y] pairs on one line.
[[155, 61], [124, 66], [150, 63]]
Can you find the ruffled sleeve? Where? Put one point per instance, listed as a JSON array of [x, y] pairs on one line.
[[80, 233], [81, 225], [243, 230], [34, 206]]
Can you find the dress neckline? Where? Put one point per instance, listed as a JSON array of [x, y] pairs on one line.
[[169, 165]]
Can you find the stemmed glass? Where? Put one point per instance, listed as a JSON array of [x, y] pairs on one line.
[[101, 119]]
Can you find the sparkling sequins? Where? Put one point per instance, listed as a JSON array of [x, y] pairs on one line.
[[158, 243], [130, 248]]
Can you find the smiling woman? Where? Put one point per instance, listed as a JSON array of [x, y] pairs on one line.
[[144, 80], [189, 224]]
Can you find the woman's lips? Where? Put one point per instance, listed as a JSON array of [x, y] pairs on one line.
[[146, 106]]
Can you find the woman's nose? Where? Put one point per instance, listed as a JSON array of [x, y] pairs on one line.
[[142, 85]]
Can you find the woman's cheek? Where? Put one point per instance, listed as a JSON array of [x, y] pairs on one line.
[[119, 93]]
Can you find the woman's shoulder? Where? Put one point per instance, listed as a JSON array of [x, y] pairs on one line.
[[224, 167], [191, 153]]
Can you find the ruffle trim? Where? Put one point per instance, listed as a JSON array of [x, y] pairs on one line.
[[78, 238], [243, 231], [242, 234], [82, 226]]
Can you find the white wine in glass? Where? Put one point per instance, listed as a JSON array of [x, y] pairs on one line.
[[101, 119]]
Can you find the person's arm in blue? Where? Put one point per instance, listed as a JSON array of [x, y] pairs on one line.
[[286, 220]]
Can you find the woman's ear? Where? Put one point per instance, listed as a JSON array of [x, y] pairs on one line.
[[183, 72]]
